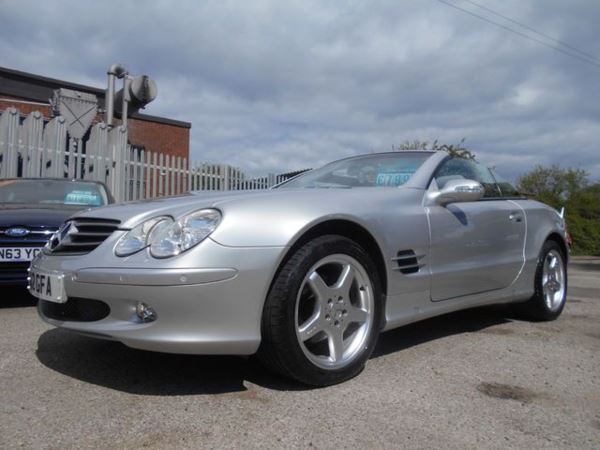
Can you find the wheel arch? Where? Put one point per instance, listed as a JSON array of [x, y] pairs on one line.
[[347, 229], [556, 237]]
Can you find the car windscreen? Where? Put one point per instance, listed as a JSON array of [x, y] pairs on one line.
[[377, 170], [52, 193]]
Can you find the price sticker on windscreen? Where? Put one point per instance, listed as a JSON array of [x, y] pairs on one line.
[[392, 178], [83, 198]]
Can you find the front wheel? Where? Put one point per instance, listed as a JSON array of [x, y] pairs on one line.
[[550, 294], [323, 313]]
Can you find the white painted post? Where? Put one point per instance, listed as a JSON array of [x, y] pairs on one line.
[[173, 174], [142, 188], [148, 174], [133, 182], [9, 142], [55, 140], [155, 175], [161, 181], [31, 133], [167, 169], [178, 188], [185, 175]]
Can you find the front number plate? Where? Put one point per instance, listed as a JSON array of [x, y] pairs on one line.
[[47, 286]]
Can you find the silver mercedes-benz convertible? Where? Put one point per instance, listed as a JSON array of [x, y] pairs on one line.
[[307, 274]]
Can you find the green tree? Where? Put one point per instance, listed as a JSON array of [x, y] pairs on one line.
[[570, 188], [553, 185]]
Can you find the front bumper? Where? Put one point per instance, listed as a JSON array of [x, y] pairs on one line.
[[200, 308]]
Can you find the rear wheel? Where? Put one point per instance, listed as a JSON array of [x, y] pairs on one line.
[[323, 313], [550, 294]]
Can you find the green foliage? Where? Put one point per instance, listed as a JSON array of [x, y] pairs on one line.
[[585, 233], [411, 146], [457, 150], [553, 185], [570, 188]]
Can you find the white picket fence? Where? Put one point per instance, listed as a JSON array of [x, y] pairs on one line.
[[34, 147]]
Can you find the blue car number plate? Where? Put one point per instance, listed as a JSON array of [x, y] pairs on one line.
[[16, 254]]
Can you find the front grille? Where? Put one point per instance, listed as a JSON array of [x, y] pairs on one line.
[[17, 266], [80, 236], [13, 272], [75, 310]]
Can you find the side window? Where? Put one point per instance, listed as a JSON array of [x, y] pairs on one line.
[[460, 168]]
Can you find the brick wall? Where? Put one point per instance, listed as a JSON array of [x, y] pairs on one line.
[[161, 137], [25, 108], [153, 136]]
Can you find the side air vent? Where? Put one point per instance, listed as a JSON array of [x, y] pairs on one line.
[[82, 235], [407, 261]]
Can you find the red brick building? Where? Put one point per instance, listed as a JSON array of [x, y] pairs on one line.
[[28, 92]]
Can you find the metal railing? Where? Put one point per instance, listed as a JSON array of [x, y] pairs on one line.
[[35, 147]]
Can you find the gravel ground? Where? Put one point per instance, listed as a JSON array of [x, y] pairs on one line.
[[474, 379]]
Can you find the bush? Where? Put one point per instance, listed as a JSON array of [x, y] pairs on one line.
[[570, 188], [585, 234]]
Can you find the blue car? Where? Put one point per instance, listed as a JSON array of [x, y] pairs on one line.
[[31, 210]]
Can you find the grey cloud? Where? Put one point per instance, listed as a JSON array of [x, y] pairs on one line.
[[275, 86]]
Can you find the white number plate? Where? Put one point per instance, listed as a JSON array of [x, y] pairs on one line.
[[47, 286], [18, 253]]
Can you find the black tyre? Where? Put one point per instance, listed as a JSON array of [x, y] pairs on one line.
[[323, 313], [550, 294]]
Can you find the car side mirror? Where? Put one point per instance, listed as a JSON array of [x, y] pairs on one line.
[[455, 191]]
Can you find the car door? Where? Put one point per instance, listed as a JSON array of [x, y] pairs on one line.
[[475, 246]]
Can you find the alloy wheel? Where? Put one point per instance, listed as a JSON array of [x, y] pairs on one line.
[[553, 280], [334, 311]]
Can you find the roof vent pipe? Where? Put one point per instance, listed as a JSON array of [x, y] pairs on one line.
[[114, 71]]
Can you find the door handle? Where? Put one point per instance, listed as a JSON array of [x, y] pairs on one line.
[[515, 216]]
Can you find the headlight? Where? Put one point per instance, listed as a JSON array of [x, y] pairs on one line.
[[139, 237], [185, 233]]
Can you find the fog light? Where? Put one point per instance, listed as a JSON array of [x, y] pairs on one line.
[[145, 312]]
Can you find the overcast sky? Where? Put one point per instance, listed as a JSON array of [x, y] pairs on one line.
[[271, 86]]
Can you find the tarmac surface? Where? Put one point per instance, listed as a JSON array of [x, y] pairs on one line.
[[473, 379]]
